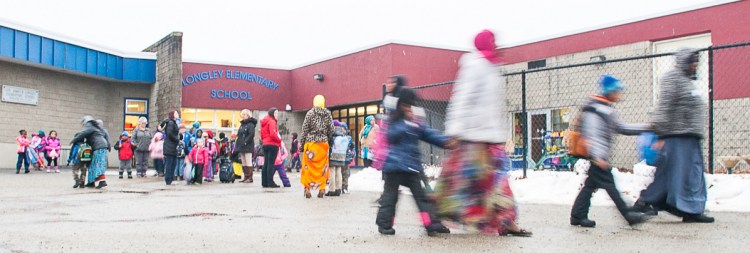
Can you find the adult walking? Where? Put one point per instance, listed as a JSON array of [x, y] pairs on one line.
[[171, 138], [679, 185], [269, 132], [472, 189], [141, 141], [367, 139], [245, 144], [317, 130], [95, 137]]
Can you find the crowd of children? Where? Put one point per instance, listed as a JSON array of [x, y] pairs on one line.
[[42, 151]]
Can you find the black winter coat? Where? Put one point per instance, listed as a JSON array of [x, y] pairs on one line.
[[172, 137], [94, 136], [246, 136]]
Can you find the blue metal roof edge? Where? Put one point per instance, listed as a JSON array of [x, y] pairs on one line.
[[41, 49]]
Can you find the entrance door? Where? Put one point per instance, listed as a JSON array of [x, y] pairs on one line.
[[537, 132]]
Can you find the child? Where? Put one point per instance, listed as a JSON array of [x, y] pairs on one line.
[[599, 125], [157, 153], [79, 167], [210, 144], [279, 165], [294, 151], [182, 151], [403, 164], [52, 147], [37, 146], [22, 145], [198, 157], [350, 154], [342, 144], [125, 153]]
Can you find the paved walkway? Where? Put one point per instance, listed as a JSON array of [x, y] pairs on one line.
[[41, 212]]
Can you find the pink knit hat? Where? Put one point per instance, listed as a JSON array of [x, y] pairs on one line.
[[485, 43]]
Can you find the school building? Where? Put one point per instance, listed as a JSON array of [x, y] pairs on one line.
[[50, 81]]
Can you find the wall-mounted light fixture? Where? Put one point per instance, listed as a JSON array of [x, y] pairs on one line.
[[288, 107], [318, 77], [598, 58]]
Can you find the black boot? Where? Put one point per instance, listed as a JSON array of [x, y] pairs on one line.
[[437, 228], [130, 175], [698, 218], [120, 175], [336, 193], [635, 218], [645, 208], [582, 222], [76, 185], [102, 184], [90, 185], [386, 231]]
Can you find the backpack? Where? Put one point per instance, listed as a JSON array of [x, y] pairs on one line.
[[340, 147], [180, 148], [574, 140], [225, 149], [85, 153]]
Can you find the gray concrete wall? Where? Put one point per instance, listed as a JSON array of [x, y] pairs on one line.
[[167, 93], [63, 99]]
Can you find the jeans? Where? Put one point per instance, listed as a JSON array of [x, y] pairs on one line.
[[598, 178], [159, 166], [170, 162], [22, 160], [179, 171], [388, 200], [269, 154], [141, 162], [125, 164]]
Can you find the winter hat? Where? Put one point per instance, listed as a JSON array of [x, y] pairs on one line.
[[319, 101], [124, 133], [344, 125], [407, 96], [86, 119], [159, 135], [210, 134], [336, 123], [40, 133], [196, 125], [610, 84], [485, 44]]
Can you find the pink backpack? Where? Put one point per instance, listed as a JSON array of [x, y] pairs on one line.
[[381, 145]]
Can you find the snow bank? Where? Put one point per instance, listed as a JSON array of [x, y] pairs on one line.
[[728, 193]]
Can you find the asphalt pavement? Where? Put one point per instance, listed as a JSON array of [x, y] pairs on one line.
[[41, 212]]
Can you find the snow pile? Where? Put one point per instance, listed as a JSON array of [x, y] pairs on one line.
[[730, 193]]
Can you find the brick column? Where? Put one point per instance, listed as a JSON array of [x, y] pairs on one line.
[[166, 94]]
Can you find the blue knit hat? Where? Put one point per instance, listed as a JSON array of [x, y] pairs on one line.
[[610, 84], [196, 125], [124, 133]]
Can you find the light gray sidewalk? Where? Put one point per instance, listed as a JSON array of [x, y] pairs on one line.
[[41, 212]]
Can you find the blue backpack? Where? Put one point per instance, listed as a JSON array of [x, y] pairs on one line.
[[645, 140], [340, 147]]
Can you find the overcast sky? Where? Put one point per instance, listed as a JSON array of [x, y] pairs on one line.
[[288, 33]]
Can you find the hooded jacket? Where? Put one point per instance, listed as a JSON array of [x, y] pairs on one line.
[[52, 144], [171, 137], [141, 139], [124, 148], [600, 123], [317, 127], [246, 136], [157, 148], [479, 85], [403, 152], [94, 135], [22, 143], [269, 132], [681, 110]]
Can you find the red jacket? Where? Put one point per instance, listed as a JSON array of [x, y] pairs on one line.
[[269, 132], [198, 155], [125, 148]]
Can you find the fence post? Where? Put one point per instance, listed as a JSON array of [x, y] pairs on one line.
[[711, 110], [524, 123]]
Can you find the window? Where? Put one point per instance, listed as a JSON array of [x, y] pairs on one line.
[[134, 109], [537, 64], [560, 119], [226, 121], [354, 117], [223, 119]]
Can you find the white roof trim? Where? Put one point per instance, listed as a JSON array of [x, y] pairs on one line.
[[360, 49], [233, 64], [77, 42], [623, 22]]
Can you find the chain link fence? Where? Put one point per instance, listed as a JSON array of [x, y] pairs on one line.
[[543, 100]]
